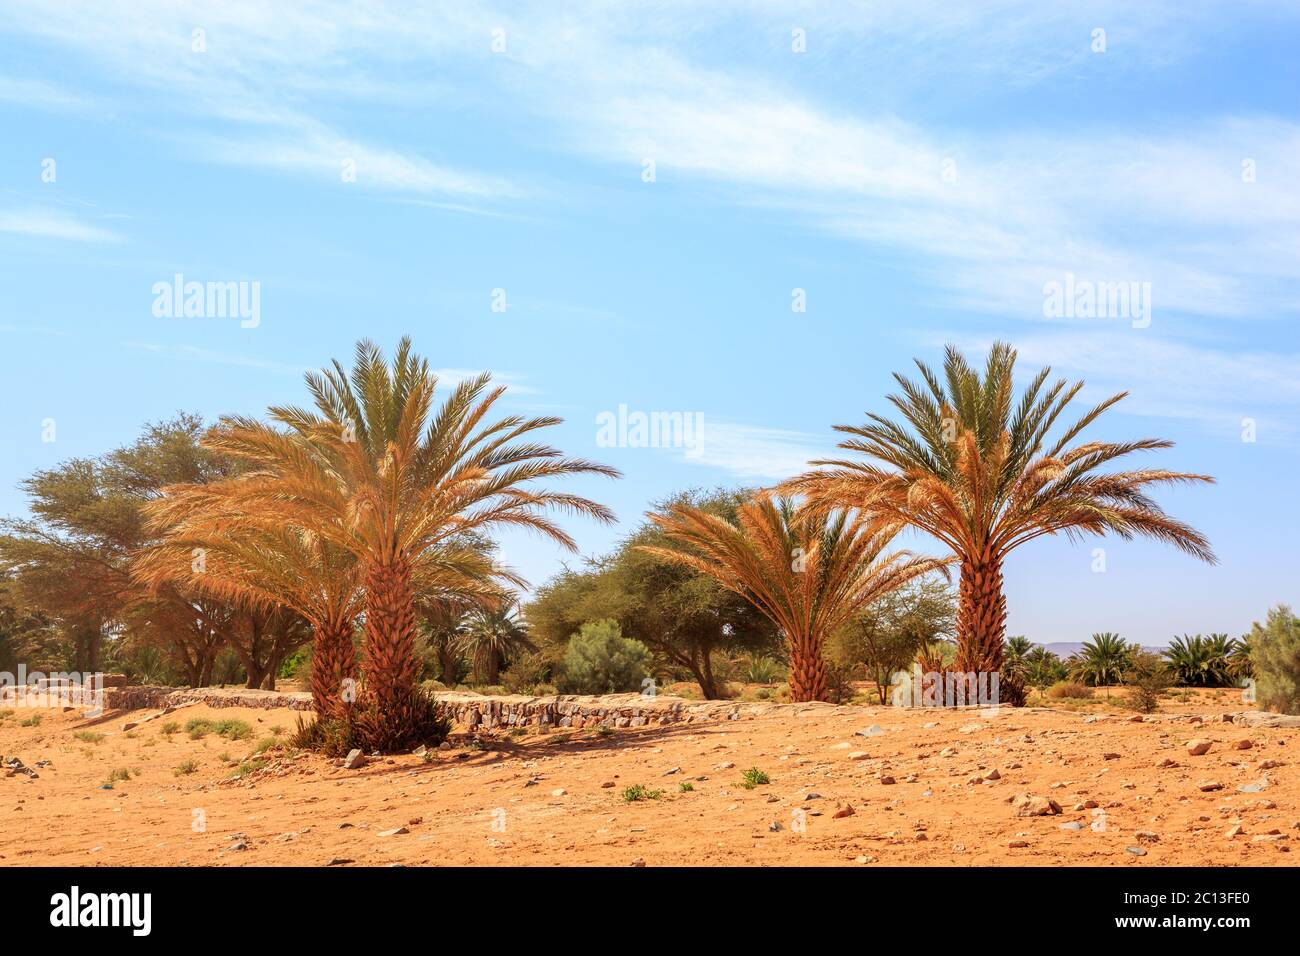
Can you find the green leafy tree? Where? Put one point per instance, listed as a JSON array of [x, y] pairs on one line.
[[600, 660], [1275, 653]]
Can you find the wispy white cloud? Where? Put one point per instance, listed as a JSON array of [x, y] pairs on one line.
[[53, 224], [754, 452]]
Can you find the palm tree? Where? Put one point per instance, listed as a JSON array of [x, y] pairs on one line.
[[1103, 660], [378, 472], [1015, 652], [492, 635], [1204, 661], [976, 471], [807, 573]]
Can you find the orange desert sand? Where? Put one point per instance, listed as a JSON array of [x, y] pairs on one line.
[[1130, 793]]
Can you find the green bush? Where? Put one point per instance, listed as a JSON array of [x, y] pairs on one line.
[[1148, 679], [526, 672], [1275, 655], [600, 660]]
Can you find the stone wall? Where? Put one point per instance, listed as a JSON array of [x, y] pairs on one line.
[[471, 711]]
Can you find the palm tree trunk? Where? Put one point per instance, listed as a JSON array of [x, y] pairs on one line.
[[333, 661], [392, 667], [807, 669], [981, 616]]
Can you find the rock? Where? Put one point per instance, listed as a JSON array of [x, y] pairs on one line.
[[607, 785], [1198, 746], [726, 765], [237, 846], [864, 859], [842, 812], [395, 831], [1264, 719], [1268, 764], [1073, 825], [1253, 787], [1234, 831], [1111, 756], [420, 751], [1135, 850], [875, 730], [1017, 844], [993, 775], [1136, 719], [558, 792], [812, 795], [948, 752], [1166, 763], [1269, 838], [130, 725], [1206, 786], [639, 861], [1146, 836], [859, 755], [887, 780], [774, 827], [672, 770], [1028, 805], [1244, 744], [339, 861], [354, 760]]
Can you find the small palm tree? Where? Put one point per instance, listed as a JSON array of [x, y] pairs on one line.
[[974, 468], [807, 573], [1103, 660], [377, 471], [492, 636], [1203, 661], [1015, 652]]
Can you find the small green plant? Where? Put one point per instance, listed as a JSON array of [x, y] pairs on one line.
[[277, 730], [600, 660], [88, 736], [265, 744], [225, 757], [6, 713], [231, 729], [638, 792], [33, 721], [604, 730], [754, 778], [170, 728], [249, 766], [121, 773], [686, 787], [185, 768]]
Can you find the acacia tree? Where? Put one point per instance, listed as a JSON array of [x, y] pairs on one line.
[[974, 468], [377, 471], [808, 572]]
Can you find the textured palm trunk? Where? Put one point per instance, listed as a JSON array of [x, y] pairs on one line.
[[333, 661], [981, 616], [392, 667], [807, 669]]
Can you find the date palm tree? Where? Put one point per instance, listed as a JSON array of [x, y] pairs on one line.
[[806, 572], [377, 471], [977, 471], [1103, 660], [492, 635]]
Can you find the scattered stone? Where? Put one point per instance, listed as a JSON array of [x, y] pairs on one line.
[[1028, 805], [1017, 844], [859, 755], [1198, 746], [1111, 756], [1073, 825], [1135, 850], [875, 730], [1253, 787], [672, 770], [1244, 744], [864, 859], [993, 775], [339, 861], [1146, 836], [396, 831], [842, 812], [887, 780], [639, 861], [608, 784], [354, 760], [1206, 786], [1166, 764], [774, 827], [558, 792], [1234, 831], [420, 751], [1269, 838]]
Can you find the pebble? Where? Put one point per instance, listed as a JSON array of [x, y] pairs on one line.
[[1198, 746]]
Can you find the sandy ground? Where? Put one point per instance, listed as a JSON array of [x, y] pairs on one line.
[[557, 799]]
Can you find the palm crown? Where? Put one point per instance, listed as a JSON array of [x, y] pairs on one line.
[[806, 572]]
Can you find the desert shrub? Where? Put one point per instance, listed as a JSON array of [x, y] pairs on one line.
[[1069, 690], [761, 669], [333, 738], [600, 660], [754, 777], [526, 672], [1148, 678], [686, 787], [88, 736], [638, 791], [419, 719], [33, 721], [185, 768], [839, 682], [1275, 656], [297, 664], [229, 728], [169, 728], [121, 773]]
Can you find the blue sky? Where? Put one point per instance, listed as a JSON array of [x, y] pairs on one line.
[[921, 172]]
